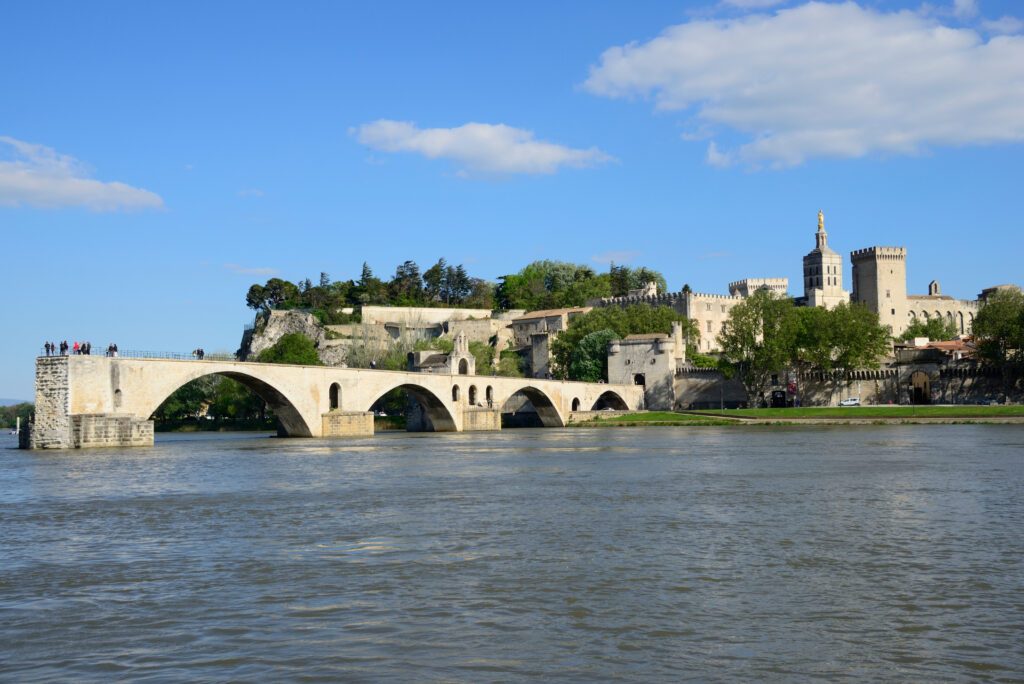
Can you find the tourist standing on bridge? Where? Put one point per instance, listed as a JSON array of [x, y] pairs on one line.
[[48, 348], [64, 348], [74, 348]]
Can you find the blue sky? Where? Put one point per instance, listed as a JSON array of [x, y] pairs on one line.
[[155, 160]]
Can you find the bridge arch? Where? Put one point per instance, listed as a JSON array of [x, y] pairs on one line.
[[292, 420], [548, 413], [441, 419], [610, 400]]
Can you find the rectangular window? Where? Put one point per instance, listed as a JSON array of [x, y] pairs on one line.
[[887, 295], [709, 326], [723, 308], [894, 312], [709, 306]]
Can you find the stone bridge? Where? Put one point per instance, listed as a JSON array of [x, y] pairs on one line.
[[100, 401]]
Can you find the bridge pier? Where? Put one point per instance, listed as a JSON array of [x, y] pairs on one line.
[[347, 424]]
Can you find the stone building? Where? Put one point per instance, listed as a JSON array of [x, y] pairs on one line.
[[880, 284], [748, 286], [651, 361], [823, 273], [459, 362], [551, 321]]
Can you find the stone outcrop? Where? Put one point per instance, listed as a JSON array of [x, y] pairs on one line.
[[277, 325]]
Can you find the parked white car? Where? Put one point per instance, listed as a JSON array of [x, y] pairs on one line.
[[851, 401]]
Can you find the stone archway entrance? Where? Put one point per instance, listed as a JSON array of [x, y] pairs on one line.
[[920, 388]]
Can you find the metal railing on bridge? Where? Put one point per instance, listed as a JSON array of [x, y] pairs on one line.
[[143, 354]]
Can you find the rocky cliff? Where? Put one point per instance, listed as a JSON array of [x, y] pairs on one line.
[[278, 324]]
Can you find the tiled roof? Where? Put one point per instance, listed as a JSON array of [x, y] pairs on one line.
[[546, 313]]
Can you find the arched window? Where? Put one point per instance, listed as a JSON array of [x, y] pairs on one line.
[[455, 393], [489, 395], [117, 398], [472, 395], [335, 396], [463, 367], [960, 317], [576, 404]]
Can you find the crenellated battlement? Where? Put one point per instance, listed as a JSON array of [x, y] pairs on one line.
[[885, 253], [663, 298], [716, 297]]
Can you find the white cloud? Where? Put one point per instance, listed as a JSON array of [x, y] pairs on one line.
[[250, 270], [477, 147], [716, 158], [824, 79], [1003, 25], [38, 176], [965, 9]]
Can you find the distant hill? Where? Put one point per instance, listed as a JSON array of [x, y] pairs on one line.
[[12, 402]]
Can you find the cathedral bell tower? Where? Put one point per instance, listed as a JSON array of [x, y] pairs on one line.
[[823, 272]]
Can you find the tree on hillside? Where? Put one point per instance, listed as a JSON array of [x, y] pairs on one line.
[[935, 329], [406, 288], [433, 280], [589, 360], [550, 285], [275, 294], [759, 339], [999, 332], [631, 320], [370, 289], [291, 348]]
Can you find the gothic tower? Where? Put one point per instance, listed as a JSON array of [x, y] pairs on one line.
[[823, 272]]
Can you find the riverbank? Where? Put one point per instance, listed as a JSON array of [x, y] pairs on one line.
[[861, 415]]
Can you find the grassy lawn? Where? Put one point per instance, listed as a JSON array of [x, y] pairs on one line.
[[832, 413], [658, 418]]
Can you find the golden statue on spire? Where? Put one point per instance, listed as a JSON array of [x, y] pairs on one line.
[[821, 221]]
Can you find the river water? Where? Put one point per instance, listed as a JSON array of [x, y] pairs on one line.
[[649, 554]]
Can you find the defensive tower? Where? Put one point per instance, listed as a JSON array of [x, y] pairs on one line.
[[880, 283]]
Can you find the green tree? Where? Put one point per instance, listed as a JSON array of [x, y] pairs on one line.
[[9, 414], [549, 285], [511, 364], [370, 289], [187, 402], [589, 361], [481, 294], [434, 280], [483, 354], [935, 329], [999, 333], [631, 320], [759, 339], [293, 348], [406, 288]]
